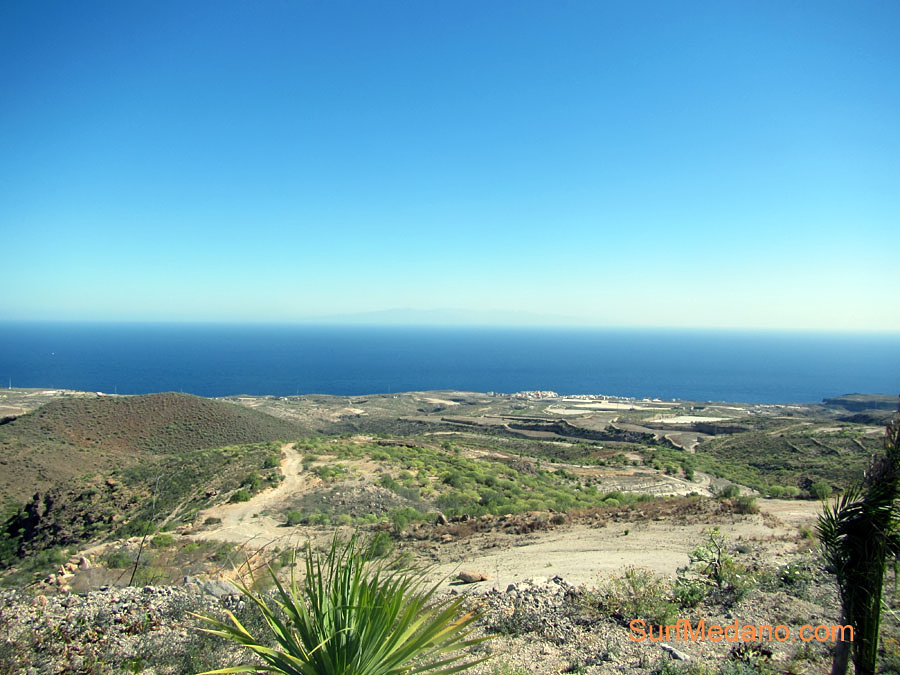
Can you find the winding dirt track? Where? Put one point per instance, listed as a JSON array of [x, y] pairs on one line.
[[249, 521]]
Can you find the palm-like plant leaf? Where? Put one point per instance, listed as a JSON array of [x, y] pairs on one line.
[[353, 617], [859, 532]]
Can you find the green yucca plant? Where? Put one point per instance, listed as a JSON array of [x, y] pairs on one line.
[[860, 532], [355, 617]]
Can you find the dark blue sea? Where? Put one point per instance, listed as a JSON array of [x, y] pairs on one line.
[[219, 360]]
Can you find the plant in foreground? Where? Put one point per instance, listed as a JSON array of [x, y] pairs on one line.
[[355, 617], [860, 533]]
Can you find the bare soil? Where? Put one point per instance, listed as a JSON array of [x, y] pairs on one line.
[[583, 550], [253, 520]]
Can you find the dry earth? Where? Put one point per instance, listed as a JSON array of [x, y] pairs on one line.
[[580, 553], [252, 521], [530, 574], [583, 554]]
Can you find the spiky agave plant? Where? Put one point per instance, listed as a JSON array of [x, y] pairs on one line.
[[859, 533], [355, 617]]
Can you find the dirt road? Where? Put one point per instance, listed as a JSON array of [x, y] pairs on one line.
[[251, 521], [582, 554]]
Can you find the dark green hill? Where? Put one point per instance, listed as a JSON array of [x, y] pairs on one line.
[[792, 458], [70, 438], [88, 468], [863, 402]]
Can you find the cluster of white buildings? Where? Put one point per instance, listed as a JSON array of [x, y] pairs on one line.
[[543, 395], [538, 394]]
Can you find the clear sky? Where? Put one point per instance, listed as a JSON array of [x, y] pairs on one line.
[[609, 162]]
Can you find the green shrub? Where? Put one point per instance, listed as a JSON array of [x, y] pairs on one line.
[[820, 490], [454, 479], [386, 481], [241, 495], [331, 472], [745, 504], [730, 491], [253, 481], [223, 552], [667, 666], [401, 518], [162, 541], [796, 574], [138, 527], [316, 518], [711, 562], [688, 593], [639, 594], [117, 560], [380, 545], [294, 518]]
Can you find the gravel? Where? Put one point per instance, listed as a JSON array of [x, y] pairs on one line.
[[541, 625]]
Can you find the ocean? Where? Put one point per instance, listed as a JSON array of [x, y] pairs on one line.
[[283, 360]]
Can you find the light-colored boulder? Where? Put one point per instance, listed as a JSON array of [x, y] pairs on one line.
[[471, 576]]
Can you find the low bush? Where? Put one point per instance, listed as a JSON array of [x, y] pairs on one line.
[[331, 472], [710, 562], [745, 504], [117, 560], [820, 490], [138, 527], [639, 594], [380, 546], [241, 495], [688, 593], [729, 491], [162, 541]]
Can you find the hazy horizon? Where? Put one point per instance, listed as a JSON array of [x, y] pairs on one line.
[[696, 165], [431, 319]]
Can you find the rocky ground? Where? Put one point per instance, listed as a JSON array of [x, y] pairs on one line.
[[542, 625], [556, 590], [550, 587], [554, 598]]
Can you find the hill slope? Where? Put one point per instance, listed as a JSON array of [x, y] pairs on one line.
[[69, 438]]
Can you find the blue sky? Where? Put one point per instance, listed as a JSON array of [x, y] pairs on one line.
[[697, 164]]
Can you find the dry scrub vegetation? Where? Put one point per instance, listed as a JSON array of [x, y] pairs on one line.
[[608, 517]]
